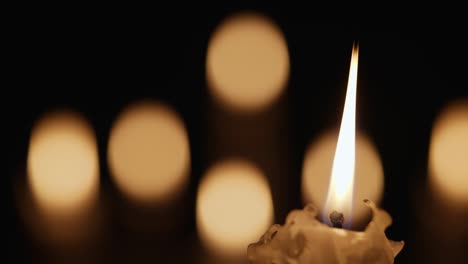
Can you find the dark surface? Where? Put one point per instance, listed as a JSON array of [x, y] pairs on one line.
[[96, 65]]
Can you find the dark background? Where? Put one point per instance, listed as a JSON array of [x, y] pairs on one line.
[[96, 64]]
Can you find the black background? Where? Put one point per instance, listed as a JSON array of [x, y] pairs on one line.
[[409, 69]]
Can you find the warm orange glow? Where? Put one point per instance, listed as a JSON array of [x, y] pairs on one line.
[[368, 180], [234, 207], [63, 163], [448, 155], [247, 62], [148, 152], [340, 190]]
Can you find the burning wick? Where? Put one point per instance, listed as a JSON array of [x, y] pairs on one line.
[[337, 219]]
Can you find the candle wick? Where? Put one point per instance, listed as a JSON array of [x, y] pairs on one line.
[[337, 219]]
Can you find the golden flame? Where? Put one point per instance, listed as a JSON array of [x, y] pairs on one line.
[[340, 190]]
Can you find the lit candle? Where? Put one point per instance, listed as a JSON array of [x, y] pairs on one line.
[[234, 206], [304, 239], [60, 203], [443, 203]]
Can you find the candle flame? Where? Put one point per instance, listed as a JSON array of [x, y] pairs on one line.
[[340, 190]]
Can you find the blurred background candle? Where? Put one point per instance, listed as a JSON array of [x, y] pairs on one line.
[[63, 165], [148, 153], [448, 155], [443, 206], [247, 63], [60, 203], [63, 173], [148, 156], [247, 72], [233, 207]]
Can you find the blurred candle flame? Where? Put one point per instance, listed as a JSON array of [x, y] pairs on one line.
[[61, 204], [340, 190], [247, 62], [63, 163], [448, 154], [234, 206], [148, 153]]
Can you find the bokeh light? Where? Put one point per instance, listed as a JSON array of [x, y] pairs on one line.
[[63, 163], [247, 62], [148, 152], [368, 177], [448, 153], [234, 207]]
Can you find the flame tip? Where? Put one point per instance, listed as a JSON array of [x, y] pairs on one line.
[[356, 45]]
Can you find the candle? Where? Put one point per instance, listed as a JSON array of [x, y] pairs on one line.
[[148, 153], [234, 206], [304, 239], [60, 204], [247, 69], [247, 63], [448, 155], [442, 206]]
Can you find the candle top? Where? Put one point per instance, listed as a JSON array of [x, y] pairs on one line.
[[304, 239]]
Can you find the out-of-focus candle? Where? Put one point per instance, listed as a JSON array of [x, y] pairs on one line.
[[234, 206], [448, 154], [63, 162], [63, 177], [304, 239], [442, 207], [247, 64], [247, 70], [148, 153]]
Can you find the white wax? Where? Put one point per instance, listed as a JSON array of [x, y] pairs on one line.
[[304, 239]]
